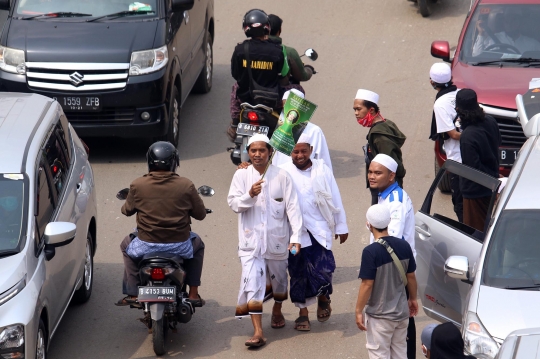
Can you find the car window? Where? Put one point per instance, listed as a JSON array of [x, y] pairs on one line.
[[11, 211], [57, 159], [64, 134], [45, 201], [94, 8], [502, 31], [513, 256]]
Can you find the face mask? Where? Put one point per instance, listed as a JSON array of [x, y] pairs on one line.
[[367, 121], [9, 203]]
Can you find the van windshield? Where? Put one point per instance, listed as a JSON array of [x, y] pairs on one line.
[[11, 212], [503, 33], [87, 8], [513, 256]]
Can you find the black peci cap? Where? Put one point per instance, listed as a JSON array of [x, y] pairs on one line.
[[466, 100]]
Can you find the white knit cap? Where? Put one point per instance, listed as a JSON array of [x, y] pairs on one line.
[[258, 138], [440, 73], [386, 161], [367, 95], [294, 91], [378, 216]]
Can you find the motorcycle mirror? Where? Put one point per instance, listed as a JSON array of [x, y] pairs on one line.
[[206, 191], [122, 194], [312, 54]]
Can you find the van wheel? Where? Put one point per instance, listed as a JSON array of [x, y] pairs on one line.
[[444, 184], [41, 341], [424, 6], [82, 295], [204, 81], [173, 130]]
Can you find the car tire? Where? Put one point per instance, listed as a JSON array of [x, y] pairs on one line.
[[159, 335], [173, 129], [41, 341], [424, 6], [204, 81], [82, 295], [444, 184]]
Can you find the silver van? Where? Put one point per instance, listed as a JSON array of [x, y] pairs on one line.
[[47, 222], [486, 281]]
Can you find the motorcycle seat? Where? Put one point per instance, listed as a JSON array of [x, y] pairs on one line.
[[161, 257]]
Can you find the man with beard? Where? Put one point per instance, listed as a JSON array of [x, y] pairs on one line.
[[266, 208], [479, 142], [383, 136], [323, 217]]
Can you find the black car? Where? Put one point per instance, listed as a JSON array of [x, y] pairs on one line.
[[117, 67]]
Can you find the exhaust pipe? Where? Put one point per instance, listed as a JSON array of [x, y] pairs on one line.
[[184, 313]]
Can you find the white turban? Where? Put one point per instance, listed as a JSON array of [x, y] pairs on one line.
[[378, 216], [386, 161], [258, 138], [367, 95], [294, 91], [440, 73]]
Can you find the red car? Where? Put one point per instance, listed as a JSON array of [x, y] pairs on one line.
[[497, 55]]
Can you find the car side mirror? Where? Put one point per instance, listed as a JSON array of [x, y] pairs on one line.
[[181, 5], [206, 191], [457, 267], [122, 194], [58, 234], [5, 5], [312, 54], [441, 50]]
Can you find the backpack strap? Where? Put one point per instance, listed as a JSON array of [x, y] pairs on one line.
[[395, 258]]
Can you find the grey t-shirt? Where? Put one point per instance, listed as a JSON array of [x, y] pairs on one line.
[[388, 299]]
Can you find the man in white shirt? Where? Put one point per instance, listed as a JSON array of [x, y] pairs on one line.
[[445, 125], [382, 177], [315, 135], [323, 217], [266, 208]]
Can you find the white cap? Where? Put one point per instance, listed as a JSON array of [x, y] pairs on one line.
[[367, 95], [440, 73], [378, 216], [304, 138], [294, 91], [386, 161], [258, 138]]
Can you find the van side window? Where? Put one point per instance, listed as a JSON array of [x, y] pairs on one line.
[[45, 203], [57, 159]]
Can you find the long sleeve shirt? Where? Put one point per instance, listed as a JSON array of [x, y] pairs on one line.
[[263, 221], [313, 220]]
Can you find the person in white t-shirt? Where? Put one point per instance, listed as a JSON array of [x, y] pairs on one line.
[[445, 124]]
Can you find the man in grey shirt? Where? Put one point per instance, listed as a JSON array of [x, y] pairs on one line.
[[382, 291]]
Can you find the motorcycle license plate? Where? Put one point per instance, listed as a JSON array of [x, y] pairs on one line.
[[157, 294], [250, 130], [79, 103]]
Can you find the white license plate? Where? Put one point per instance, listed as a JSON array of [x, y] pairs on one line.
[[250, 130]]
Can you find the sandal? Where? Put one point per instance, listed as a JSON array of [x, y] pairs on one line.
[[302, 324], [276, 320], [324, 311], [197, 302], [127, 300], [252, 344]]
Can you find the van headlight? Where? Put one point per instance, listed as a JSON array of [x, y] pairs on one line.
[[477, 340], [12, 60], [12, 337], [148, 61]]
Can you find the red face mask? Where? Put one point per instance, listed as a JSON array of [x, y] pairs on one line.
[[367, 121]]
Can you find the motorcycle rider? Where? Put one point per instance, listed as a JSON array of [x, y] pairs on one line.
[[268, 65], [164, 203]]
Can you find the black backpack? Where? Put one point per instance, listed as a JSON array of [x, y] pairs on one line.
[[268, 96]]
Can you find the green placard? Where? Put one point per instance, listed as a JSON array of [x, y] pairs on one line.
[[297, 112]]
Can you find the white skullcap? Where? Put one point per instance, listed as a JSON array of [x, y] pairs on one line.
[[386, 161], [378, 216], [258, 138], [304, 138], [367, 95], [440, 73], [294, 91]]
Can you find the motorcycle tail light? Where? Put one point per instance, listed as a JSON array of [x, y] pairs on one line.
[[157, 274], [252, 116]]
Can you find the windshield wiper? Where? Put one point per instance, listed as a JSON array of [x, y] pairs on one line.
[[536, 285], [56, 14], [524, 60], [123, 13], [7, 253]]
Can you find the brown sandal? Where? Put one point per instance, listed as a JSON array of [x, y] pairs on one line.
[[276, 319], [127, 300], [259, 343], [302, 324], [324, 311]]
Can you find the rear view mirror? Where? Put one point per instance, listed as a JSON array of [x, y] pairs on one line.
[[312, 54], [180, 5], [206, 191], [58, 234], [457, 267], [4, 5], [441, 50], [122, 194]]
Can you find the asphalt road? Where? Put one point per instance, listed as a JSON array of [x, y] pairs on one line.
[[382, 45]]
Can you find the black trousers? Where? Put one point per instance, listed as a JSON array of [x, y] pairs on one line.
[[411, 339], [457, 197], [193, 266]]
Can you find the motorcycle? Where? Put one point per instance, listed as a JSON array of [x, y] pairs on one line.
[[162, 294], [256, 119]]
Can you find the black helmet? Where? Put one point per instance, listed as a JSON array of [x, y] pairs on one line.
[[256, 23], [162, 156]]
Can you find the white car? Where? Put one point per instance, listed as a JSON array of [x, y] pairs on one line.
[[47, 222]]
